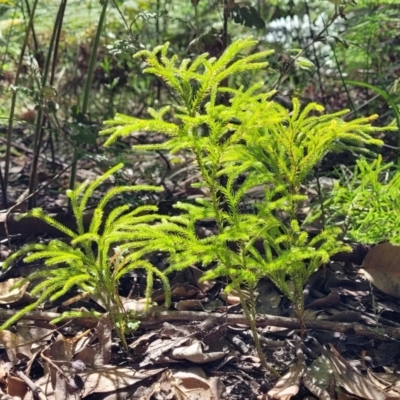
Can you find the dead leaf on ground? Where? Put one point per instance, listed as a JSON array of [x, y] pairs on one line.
[[190, 305], [289, 385], [155, 353], [332, 299], [381, 267], [58, 356], [268, 299], [103, 379], [96, 350], [136, 305], [195, 353], [9, 294], [16, 387], [187, 385], [111, 378], [32, 340], [65, 367], [10, 342], [332, 371], [140, 345], [389, 382], [194, 275]]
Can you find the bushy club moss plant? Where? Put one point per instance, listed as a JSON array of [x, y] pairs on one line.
[[78, 264], [252, 140]]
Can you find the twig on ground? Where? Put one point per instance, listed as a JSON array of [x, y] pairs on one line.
[[149, 320], [37, 392]]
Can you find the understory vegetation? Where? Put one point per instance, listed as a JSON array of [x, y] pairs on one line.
[[133, 129]]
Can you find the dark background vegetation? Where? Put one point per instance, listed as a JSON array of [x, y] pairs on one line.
[[66, 66]]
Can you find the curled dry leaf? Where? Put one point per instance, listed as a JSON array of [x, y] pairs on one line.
[[389, 382], [103, 379], [268, 299], [331, 300], [347, 378], [156, 350], [317, 379], [9, 294], [10, 341], [98, 353], [192, 384], [187, 385], [196, 275], [16, 387], [189, 305], [381, 267], [194, 353], [289, 385], [136, 305]]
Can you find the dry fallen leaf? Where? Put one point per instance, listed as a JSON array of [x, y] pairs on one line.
[[332, 299], [10, 341], [105, 379], [97, 349], [389, 382], [381, 267], [289, 384], [194, 353], [156, 350], [16, 387], [190, 305], [196, 274], [8, 294], [187, 385], [349, 379], [193, 385], [136, 305], [268, 298]]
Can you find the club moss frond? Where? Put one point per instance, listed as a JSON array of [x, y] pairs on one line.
[[39, 213], [253, 140], [77, 264], [76, 314], [250, 142]]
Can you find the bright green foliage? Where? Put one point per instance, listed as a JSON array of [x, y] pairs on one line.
[[368, 204], [95, 259], [256, 141]]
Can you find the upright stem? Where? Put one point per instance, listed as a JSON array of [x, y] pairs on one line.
[[252, 321], [86, 95], [42, 114], [13, 104]]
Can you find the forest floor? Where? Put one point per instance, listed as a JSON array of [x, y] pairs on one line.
[[202, 347]]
